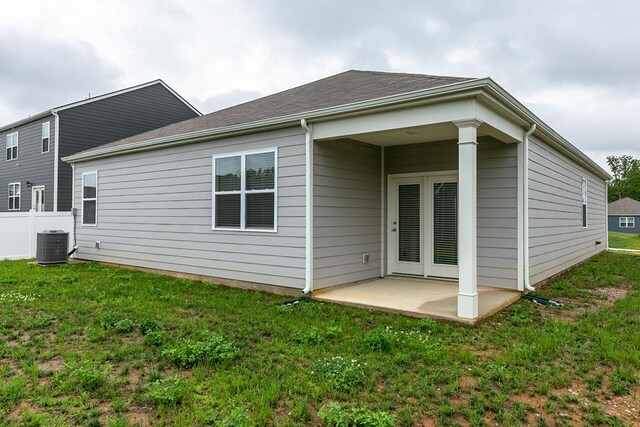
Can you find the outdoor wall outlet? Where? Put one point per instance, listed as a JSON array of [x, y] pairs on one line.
[[365, 257], [98, 244]]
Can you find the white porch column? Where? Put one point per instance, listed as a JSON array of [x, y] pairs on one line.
[[467, 218]]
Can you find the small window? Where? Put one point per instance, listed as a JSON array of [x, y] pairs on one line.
[[244, 191], [90, 198], [627, 222], [14, 196], [584, 203], [46, 132], [12, 146]]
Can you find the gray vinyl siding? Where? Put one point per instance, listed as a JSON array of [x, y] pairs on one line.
[[556, 237], [497, 199], [31, 165], [89, 125], [614, 224], [154, 211], [346, 212]]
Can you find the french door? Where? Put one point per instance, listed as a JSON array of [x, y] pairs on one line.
[[423, 225]]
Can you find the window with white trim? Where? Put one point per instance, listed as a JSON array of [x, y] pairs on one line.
[[90, 198], [46, 132], [244, 191], [584, 203], [14, 196], [627, 222], [12, 146]]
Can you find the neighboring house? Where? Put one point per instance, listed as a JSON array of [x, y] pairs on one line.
[[32, 174], [352, 177], [624, 216]]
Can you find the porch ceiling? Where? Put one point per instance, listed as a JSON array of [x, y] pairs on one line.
[[428, 133]]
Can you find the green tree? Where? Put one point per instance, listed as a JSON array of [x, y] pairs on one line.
[[626, 177]]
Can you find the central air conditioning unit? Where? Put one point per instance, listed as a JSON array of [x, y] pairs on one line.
[[52, 246]]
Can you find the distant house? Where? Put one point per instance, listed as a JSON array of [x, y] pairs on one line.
[[33, 176], [352, 177], [624, 216]]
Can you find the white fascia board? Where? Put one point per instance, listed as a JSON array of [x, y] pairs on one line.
[[485, 89], [27, 120]]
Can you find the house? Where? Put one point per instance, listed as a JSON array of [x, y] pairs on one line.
[[624, 216], [33, 176], [353, 177]]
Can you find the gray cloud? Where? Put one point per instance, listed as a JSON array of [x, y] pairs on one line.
[[38, 73]]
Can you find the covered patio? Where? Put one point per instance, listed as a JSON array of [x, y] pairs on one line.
[[417, 297]]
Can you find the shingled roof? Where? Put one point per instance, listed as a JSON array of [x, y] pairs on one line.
[[340, 89], [626, 206]]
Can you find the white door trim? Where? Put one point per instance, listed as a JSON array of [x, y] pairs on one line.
[[34, 189], [426, 267]]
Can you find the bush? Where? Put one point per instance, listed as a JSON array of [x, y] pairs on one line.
[[212, 348], [340, 415], [168, 391], [343, 375]]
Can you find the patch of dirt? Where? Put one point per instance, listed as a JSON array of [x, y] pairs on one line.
[[16, 413], [604, 296], [627, 408], [55, 364], [132, 339], [139, 416], [468, 382]]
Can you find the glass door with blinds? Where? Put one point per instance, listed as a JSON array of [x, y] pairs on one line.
[[423, 225]]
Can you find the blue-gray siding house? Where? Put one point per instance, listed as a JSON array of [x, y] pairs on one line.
[[624, 216], [352, 177], [32, 176]]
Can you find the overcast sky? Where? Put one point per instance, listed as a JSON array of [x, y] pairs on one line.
[[574, 63]]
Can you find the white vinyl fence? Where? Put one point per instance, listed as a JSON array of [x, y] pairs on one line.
[[19, 230]]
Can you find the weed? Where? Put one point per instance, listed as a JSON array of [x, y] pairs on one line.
[[340, 373], [340, 415], [11, 392], [380, 340], [85, 377], [234, 417], [211, 348], [169, 391], [307, 336], [156, 338]]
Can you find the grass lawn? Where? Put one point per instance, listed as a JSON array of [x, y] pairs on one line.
[[624, 240], [87, 344]]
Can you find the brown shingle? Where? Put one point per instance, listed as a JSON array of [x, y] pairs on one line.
[[340, 89], [624, 206]]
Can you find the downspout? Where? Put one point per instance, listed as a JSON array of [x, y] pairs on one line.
[[56, 128], [308, 277], [525, 178]]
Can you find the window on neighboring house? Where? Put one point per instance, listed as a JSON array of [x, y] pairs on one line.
[[627, 222], [14, 196], [244, 191], [90, 198], [584, 202], [12, 146], [46, 132]]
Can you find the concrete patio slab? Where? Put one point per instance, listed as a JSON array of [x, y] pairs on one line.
[[416, 297]]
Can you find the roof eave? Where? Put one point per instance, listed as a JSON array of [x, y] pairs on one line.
[[26, 120], [467, 88]]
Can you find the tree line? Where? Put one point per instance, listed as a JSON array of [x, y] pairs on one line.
[[626, 177]]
